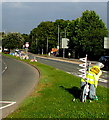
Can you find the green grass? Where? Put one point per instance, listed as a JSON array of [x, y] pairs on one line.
[[57, 96]]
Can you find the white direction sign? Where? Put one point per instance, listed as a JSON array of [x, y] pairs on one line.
[[83, 59], [83, 65], [83, 70], [106, 42], [65, 42], [83, 75]]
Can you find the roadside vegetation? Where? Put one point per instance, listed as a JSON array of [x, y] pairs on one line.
[[85, 33], [57, 96]]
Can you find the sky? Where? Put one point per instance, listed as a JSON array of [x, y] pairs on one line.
[[23, 16]]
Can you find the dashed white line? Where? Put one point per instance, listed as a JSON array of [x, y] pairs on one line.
[[101, 80], [4, 68], [105, 71]]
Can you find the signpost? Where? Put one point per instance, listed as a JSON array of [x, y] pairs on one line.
[[106, 42], [64, 45], [84, 65], [27, 45]]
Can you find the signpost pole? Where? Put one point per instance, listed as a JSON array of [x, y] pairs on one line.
[[63, 52], [27, 45]]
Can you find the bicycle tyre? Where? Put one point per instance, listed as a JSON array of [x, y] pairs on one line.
[[83, 95]]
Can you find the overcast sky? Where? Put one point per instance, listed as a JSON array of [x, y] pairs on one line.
[[24, 16]]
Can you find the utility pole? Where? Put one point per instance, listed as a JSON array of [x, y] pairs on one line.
[[36, 46], [47, 45], [58, 37], [65, 33]]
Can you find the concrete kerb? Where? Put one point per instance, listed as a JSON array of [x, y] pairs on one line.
[[76, 61]]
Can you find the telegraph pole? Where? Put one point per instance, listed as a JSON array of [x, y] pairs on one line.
[[47, 45], [58, 37]]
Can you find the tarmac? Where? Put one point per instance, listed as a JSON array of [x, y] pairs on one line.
[[103, 79]]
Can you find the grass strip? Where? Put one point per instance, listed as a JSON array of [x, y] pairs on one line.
[[57, 96]]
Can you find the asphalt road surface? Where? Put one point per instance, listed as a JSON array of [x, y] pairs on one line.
[[18, 81], [69, 67]]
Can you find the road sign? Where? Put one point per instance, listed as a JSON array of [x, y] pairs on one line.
[[82, 65], [83, 70], [83, 59], [82, 76], [27, 44], [106, 42], [65, 42]]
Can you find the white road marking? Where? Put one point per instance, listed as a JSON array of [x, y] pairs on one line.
[[6, 102], [105, 71], [101, 80], [4, 68]]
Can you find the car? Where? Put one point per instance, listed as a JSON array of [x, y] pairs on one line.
[[6, 51], [105, 61]]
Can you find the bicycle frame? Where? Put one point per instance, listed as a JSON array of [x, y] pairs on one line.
[[84, 93]]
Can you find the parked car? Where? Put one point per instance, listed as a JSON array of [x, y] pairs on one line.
[[0, 49], [6, 51], [105, 61]]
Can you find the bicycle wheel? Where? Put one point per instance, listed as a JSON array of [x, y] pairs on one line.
[[83, 95]]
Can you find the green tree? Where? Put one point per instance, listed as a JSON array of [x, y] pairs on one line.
[[73, 36], [90, 34], [26, 38], [12, 40], [39, 36]]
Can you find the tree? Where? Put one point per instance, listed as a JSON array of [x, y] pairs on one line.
[[26, 38], [90, 34], [39, 36], [12, 40], [73, 36]]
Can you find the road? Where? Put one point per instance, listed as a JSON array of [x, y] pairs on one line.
[[18, 81], [69, 67]]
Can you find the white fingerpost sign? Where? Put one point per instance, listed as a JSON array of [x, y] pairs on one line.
[[84, 65], [64, 45], [65, 42], [106, 42]]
